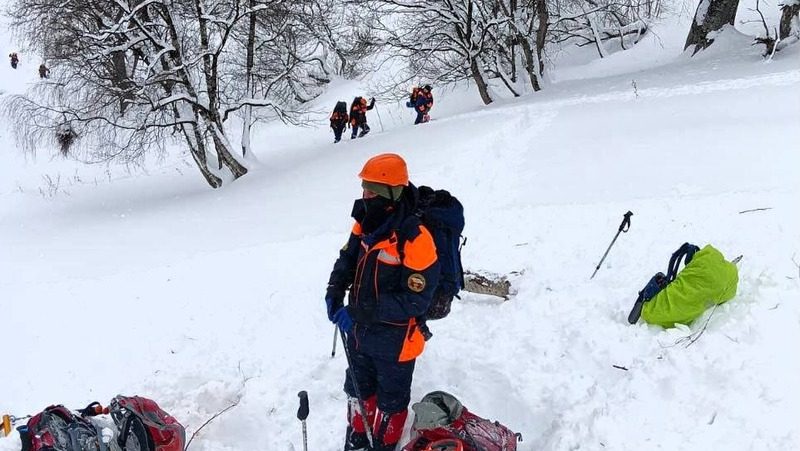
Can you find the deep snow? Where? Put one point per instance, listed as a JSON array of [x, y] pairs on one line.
[[154, 284]]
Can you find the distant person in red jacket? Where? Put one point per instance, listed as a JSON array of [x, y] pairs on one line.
[[14, 59], [44, 72], [358, 116]]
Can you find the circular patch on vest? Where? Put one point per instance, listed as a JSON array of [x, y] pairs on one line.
[[416, 282]]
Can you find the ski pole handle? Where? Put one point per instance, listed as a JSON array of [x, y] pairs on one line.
[[335, 335], [302, 411], [626, 222]]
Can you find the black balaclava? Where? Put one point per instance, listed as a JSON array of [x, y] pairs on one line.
[[377, 211]]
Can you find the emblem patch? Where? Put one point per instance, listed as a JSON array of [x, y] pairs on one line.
[[416, 282]]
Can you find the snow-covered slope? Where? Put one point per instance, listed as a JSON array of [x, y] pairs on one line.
[[156, 285]]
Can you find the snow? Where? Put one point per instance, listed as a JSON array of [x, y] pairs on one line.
[[151, 283]]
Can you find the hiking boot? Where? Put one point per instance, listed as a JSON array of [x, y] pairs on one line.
[[356, 441], [363, 132]]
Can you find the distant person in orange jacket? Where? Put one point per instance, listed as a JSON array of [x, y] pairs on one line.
[[339, 120], [389, 287], [14, 59], [358, 116]]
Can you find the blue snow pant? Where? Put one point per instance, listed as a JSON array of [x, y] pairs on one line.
[[379, 373], [337, 131], [364, 129]]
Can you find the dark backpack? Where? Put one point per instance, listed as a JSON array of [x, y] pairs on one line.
[[441, 422], [341, 107], [339, 115], [56, 428], [356, 102], [443, 216]]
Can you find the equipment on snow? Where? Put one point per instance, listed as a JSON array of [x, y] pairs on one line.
[[361, 410], [707, 279], [623, 227], [141, 420], [58, 429], [660, 281], [140, 426], [302, 414], [441, 422], [6, 425]]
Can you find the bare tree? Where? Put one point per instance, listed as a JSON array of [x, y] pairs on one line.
[[503, 40], [130, 75], [440, 40]]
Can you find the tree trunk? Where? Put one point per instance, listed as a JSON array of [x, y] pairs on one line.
[[248, 109], [597, 39], [789, 15], [477, 76], [541, 35], [224, 150], [711, 15], [198, 150]]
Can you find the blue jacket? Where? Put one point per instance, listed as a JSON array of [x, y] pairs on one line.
[[388, 287], [424, 102]]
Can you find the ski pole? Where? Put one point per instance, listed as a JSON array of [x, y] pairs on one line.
[[367, 427], [379, 117], [624, 227], [335, 334], [302, 414]]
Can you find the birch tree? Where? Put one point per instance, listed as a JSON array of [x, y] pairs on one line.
[[129, 76]]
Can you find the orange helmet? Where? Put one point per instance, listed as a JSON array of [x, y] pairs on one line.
[[387, 168]]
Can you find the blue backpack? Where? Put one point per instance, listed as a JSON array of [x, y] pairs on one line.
[[443, 216]]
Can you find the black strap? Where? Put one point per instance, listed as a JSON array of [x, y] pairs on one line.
[[685, 252]]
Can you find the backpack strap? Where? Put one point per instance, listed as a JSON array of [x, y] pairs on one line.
[[686, 250], [408, 230]]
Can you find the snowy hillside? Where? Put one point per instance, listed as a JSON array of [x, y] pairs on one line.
[[151, 283]]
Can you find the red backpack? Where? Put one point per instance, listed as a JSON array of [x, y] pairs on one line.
[[442, 423], [56, 428], [140, 423]]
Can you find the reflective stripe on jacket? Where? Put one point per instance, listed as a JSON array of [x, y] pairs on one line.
[[388, 289]]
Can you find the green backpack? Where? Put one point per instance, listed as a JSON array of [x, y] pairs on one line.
[[707, 279]]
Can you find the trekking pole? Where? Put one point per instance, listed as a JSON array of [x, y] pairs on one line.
[[367, 427], [624, 227], [302, 414], [380, 122], [335, 335]]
